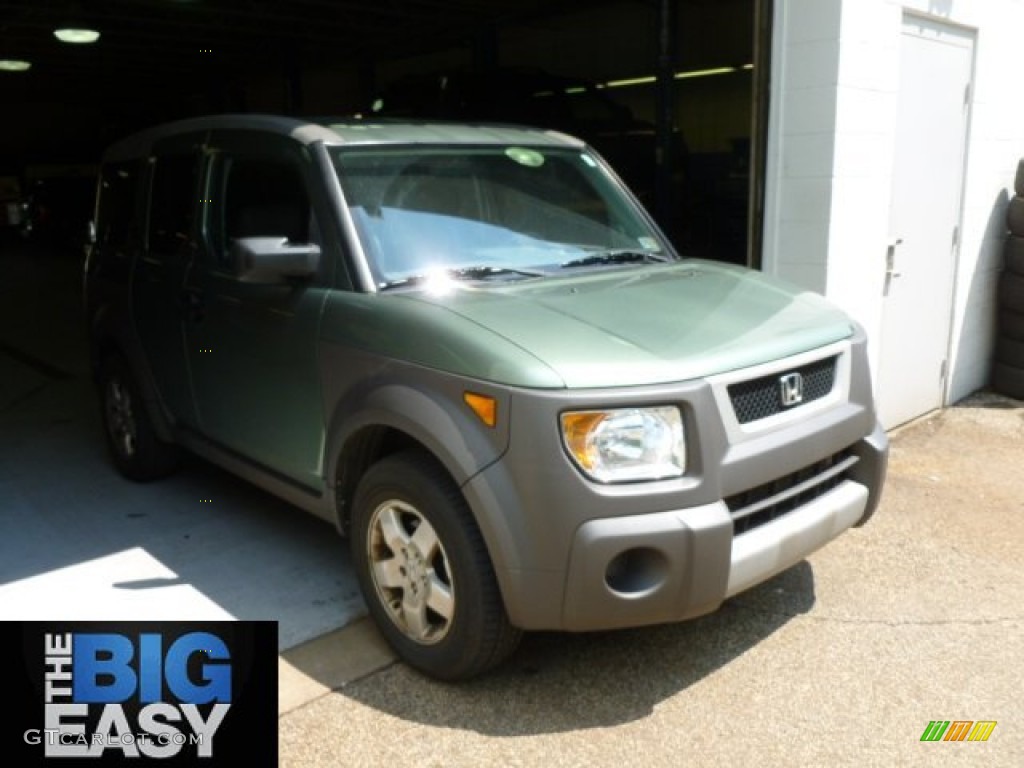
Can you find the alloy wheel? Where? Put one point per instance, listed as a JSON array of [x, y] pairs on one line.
[[410, 571]]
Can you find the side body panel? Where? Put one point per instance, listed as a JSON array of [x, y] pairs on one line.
[[252, 348]]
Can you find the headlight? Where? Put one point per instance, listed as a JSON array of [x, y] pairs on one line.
[[626, 444]]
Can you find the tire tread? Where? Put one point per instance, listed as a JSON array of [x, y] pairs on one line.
[[1015, 216], [1010, 325], [1011, 292], [1010, 352], [1013, 252], [1008, 380]]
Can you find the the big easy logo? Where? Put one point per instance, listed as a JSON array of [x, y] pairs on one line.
[[139, 694]]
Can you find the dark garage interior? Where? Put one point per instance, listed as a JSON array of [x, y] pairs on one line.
[[672, 92]]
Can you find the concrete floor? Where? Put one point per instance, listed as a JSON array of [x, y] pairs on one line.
[[842, 660], [78, 541]]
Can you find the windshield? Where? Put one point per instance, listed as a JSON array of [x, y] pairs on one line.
[[487, 211]]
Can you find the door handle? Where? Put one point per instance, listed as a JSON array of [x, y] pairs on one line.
[[890, 264], [890, 259]]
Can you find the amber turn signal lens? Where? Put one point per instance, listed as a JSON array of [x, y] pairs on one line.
[[486, 408], [578, 428]]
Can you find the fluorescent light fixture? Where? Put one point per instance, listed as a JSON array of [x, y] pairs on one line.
[[73, 35], [678, 76], [631, 81], [705, 72], [14, 65]]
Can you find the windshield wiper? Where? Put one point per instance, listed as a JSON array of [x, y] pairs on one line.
[[479, 272], [482, 272], [618, 257]]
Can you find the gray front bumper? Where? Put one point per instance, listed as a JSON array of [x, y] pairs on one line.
[[670, 566]]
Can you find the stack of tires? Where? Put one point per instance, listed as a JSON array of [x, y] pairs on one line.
[[1008, 369]]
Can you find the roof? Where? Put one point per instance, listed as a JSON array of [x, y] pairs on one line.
[[334, 131], [429, 132]]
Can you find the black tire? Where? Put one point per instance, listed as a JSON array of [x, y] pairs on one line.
[[1018, 179], [134, 447], [1015, 216], [1011, 292], [1013, 250], [1011, 325], [1007, 380], [441, 609], [1010, 352]]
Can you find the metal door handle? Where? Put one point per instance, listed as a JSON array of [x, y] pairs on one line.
[[890, 260]]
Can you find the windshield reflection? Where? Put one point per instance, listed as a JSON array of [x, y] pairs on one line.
[[521, 210]]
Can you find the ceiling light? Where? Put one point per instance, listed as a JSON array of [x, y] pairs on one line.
[[631, 81], [705, 72], [14, 65], [76, 35], [678, 76]]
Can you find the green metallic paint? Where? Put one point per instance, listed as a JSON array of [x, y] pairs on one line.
[[255, 373], [611, 327], [399, 326]]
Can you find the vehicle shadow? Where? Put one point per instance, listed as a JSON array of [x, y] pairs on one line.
[[564, 682]]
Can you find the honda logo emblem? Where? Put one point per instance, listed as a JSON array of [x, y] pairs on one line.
[[791, 389]]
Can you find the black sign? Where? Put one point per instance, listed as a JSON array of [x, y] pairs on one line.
[[173, 693]]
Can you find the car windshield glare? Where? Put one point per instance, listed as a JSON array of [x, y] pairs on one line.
[[419, 209]]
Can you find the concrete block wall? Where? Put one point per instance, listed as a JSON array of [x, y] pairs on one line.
[[829, 162]]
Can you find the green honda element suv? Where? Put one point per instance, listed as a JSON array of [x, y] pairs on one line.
[[470, 349]]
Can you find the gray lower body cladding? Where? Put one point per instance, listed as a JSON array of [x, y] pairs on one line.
[[573, 555]]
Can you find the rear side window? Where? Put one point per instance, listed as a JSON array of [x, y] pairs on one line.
[[117, 221], [173, 201]]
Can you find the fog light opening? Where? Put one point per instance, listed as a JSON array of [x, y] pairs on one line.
[[636, 571]]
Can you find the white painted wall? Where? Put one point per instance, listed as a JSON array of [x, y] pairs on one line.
[[831, 134]]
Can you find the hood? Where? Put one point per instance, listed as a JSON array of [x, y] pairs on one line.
[[628, 326]]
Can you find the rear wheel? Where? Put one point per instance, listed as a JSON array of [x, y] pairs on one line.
[[134, 447], [425, 572]]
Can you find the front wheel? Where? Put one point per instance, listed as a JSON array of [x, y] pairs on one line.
[[425, 572]]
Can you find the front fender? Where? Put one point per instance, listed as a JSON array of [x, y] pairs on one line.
[[454, 437], [423, 404]]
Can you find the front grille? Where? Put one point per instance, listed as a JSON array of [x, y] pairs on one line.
[[772, 500], [762, 397]]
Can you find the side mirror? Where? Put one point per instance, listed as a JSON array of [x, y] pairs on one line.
[[269, 260]]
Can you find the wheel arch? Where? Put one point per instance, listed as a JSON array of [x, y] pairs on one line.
[[395, 417], [110, 335]]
